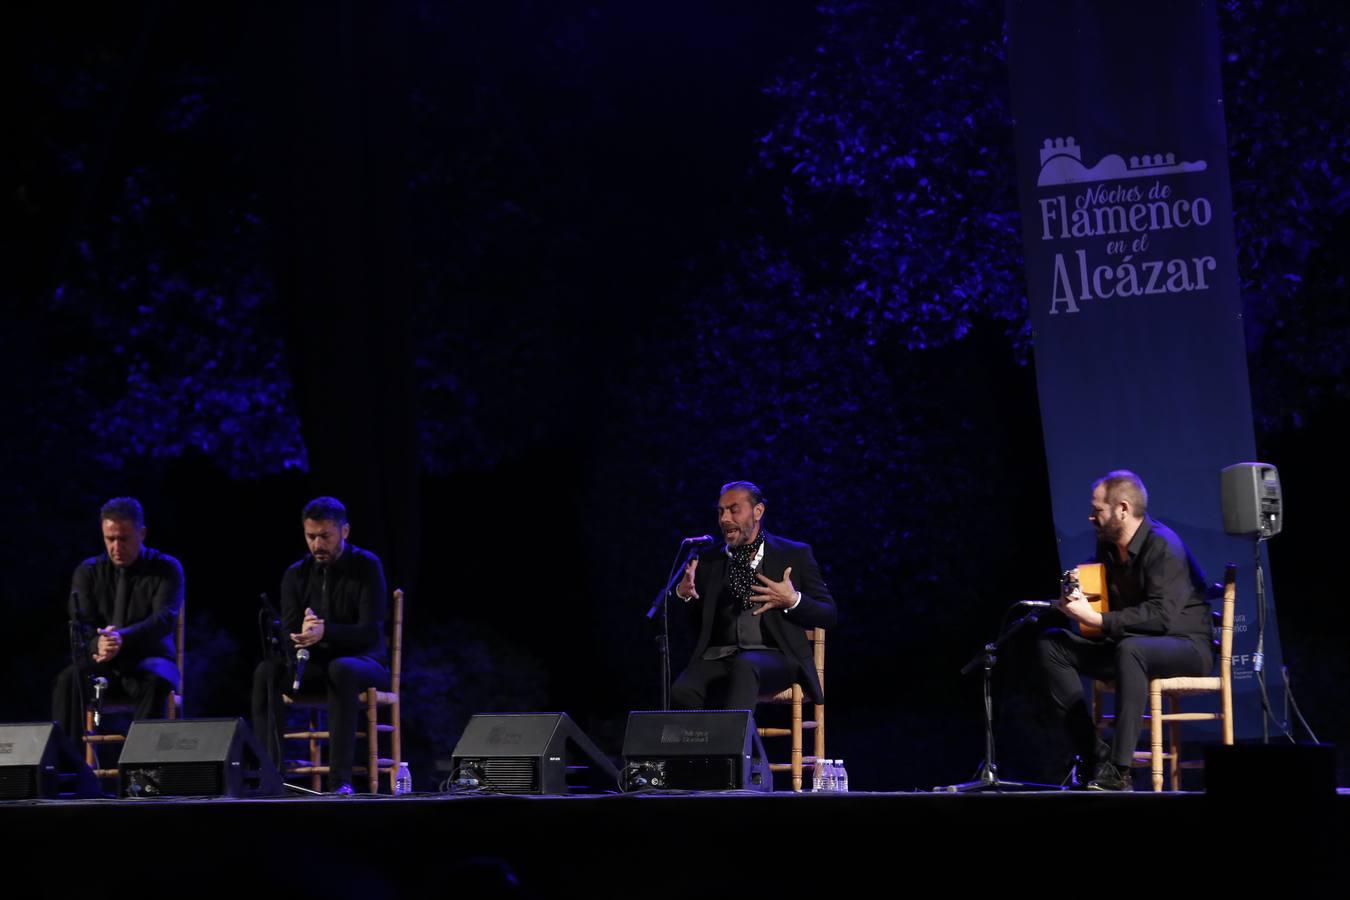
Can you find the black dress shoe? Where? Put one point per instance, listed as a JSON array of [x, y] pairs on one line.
[[1110, 777]]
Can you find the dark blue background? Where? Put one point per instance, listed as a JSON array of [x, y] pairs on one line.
[[1155, 383], [523, 284]]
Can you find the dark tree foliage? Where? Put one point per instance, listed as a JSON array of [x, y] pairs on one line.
[[852, 353], [499, 205], [1286, 78], [894, 149], [855, 354], [160, 286]]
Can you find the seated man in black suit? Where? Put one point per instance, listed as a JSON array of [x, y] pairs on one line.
[[127, 601], [1159, 625], [751, 602], [333, 606]]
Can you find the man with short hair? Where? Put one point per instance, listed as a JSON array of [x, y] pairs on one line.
[[333, 606], [750, 602], [1158, 626], [126, 602]]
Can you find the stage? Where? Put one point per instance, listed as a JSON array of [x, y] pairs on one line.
[[667, 845]]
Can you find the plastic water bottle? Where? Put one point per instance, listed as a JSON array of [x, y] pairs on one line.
[[818, 776], [403, 782], [840, 777], [829, 781]]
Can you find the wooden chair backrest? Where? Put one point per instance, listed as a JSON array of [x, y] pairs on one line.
[[817, 638], [396, 643], [1226, 626]]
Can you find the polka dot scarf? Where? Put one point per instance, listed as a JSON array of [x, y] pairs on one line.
[[740, 574]]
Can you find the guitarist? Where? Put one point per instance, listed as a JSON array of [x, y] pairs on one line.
[[1159, 626]]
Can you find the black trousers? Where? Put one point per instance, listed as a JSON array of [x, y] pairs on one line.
[[1067, 657], [146, 683], [341, 679], [733, 682]]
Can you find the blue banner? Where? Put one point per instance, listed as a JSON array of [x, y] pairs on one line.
[[1132, 276]]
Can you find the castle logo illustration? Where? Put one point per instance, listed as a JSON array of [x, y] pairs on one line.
[[1062, 163]]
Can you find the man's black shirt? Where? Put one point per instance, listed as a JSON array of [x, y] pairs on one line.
[[1159, 588], [154, 597], [348, 594]]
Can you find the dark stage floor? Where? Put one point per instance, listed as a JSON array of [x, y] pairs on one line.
[[668, 845]]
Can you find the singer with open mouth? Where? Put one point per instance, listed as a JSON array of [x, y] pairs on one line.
[[750, 602]]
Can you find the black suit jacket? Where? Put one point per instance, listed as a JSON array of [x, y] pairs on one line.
[[154, 600], [357, 603], [784, 630]]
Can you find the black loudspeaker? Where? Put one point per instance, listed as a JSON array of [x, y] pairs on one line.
[[695, 750], [195, 758], [1252, 503], [38, 762], [1288, 772], [530, 753]]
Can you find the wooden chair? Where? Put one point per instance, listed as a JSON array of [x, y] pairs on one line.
[[1182, 686], [795, 697], [316, 731], [1159, 758], [173, 707]]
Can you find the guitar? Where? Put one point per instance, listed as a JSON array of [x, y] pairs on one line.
[[1090, 578]]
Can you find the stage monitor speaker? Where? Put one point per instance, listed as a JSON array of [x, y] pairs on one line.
[[37, 762], [195, 758], [530, 753], [695, 750], [1282, 771], [1252, 503]]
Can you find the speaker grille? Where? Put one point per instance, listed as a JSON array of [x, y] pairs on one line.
[[512, 774], [18, 782], [202, 779], [192, 780]]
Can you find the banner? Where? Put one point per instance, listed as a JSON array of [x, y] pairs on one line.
[[1132, 277]]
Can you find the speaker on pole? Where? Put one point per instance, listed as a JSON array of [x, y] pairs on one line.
[[530, 753], [38, 762], [695, 750], [1252, 503], [195, 758]]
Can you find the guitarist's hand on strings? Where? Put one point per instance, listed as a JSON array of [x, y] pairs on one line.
[[1075, 605]]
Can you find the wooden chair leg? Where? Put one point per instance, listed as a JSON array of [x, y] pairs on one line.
[[1226, 702], [797, 738], [1174, 742], [90, 753], [820, 732], [315, 760], [396, 739], [1155, 726], [372, 742]]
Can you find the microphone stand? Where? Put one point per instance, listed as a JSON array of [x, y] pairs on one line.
[[661, 604], [1259, 657], [77, 631], [986, 659], [273, 637]]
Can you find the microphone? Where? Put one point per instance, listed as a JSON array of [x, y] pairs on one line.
[[301, 657], [703, 540], [100, 685]]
